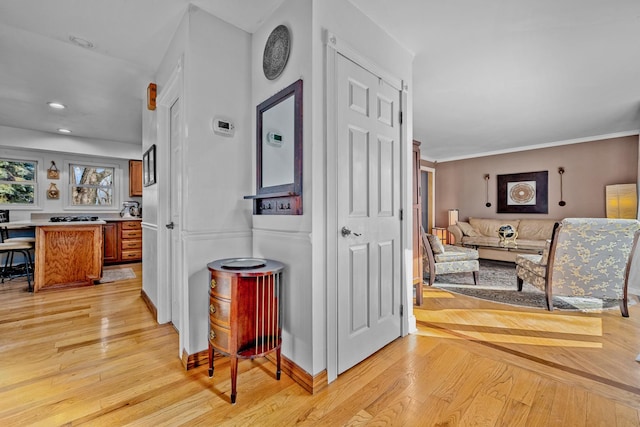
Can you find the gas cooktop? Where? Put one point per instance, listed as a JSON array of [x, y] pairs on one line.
[[72, 218]]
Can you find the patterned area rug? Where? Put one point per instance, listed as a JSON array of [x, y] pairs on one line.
[[115, 274], [497, 283]]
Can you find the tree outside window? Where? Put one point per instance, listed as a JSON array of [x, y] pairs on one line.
[[18, 182], [91, 185]]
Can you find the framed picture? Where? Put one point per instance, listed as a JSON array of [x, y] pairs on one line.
[[523, 192], [149, 166]]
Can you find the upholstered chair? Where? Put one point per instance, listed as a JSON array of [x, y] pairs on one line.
[[586, 257], [441, 259]]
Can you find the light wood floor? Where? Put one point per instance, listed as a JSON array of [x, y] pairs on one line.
[[95, 356]]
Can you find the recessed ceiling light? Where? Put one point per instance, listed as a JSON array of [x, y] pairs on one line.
[[81, 42], [63, 130], [56, 105]]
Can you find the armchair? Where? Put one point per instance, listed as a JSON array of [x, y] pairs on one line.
[[445, 259], [586, 257]]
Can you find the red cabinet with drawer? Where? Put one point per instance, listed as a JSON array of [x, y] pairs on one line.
[[244, 311]]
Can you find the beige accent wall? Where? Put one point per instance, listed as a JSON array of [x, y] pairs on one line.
[[589, 167]]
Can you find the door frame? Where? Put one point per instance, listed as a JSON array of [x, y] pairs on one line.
[[334, 47], [430, 202], [173, 90]]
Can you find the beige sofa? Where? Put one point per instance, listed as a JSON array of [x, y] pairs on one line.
[[482, 234]]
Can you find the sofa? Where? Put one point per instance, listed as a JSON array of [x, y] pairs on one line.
[[482, 234]]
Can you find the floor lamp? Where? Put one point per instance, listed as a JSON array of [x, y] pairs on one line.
[[453, 220]]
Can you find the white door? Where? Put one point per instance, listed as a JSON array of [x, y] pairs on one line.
[[368, 213], [174, 213]]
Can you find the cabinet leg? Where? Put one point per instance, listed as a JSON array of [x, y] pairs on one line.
[[234, 376], [210, 360], [278, 371]]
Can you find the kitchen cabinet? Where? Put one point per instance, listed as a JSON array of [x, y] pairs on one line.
[[135, 178], [130, 241], [67, 255], [123, 241], [111, 242]]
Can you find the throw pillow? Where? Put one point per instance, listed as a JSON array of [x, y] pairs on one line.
[[467, 229], [436, 244]]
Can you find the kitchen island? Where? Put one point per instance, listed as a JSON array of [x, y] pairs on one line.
[[67, 254]]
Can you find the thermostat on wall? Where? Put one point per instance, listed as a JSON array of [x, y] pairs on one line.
[[224, 127]]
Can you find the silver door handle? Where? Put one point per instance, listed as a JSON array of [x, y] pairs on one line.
[[346, 232], [170, 225]]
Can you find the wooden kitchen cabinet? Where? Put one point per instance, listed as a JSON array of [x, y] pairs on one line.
[[67, 255], [122, 242], [135, 178], [111, 243], [130, 241]]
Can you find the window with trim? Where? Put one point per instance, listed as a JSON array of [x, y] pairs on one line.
[[91, 185], [18, 182]]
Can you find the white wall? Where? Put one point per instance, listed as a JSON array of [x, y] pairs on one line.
[[216, 170], [219, 171], [286, 238]]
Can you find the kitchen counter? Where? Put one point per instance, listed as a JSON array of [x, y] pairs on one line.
[[68, 254], [44, 223]]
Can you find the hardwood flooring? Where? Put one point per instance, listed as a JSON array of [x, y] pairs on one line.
[[95, 356]]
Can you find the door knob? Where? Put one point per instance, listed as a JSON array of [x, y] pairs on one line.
[[347, 232], [170, 225]]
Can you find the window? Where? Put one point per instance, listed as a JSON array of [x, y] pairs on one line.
[[18, 184], [91, 185]]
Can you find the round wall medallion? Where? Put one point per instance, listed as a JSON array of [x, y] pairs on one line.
[[276, 52], [522, 193]]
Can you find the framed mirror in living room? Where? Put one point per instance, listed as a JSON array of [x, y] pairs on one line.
[[279, 154]]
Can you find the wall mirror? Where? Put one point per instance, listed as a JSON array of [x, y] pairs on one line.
[[279, 154]]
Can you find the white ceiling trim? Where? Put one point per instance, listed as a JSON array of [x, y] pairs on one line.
[[537, 146]]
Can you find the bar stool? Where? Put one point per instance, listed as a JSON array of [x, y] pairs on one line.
[[31, 241], [10, 249]]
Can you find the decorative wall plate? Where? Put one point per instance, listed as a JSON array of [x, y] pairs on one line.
[[276, 52]]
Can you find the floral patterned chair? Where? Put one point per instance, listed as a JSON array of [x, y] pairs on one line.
[[588, 257], [446, 259]]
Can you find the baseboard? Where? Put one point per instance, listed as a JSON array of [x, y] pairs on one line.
[[152, 308], [310, 383], [190, 361]]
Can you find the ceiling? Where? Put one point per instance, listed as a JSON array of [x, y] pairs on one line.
[[489, 76]]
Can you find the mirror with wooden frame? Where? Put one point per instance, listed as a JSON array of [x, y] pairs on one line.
[[279, 154]]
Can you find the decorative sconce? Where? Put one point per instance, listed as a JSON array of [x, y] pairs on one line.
[[561, 172], [486, 188], [152, 91]]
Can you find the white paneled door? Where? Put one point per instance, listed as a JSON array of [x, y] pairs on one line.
[[174, 207], [368, 213]]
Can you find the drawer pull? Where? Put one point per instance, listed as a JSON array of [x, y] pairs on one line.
[[212, 335], [212, 308], [213, 283]]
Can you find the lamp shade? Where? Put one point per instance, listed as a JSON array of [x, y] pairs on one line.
[[622, 201], [453, 216]]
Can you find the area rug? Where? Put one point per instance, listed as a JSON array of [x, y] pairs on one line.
[[497, 283], [115, 274]]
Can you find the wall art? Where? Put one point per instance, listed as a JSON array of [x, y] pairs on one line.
[[149, 166], [523, 192]]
